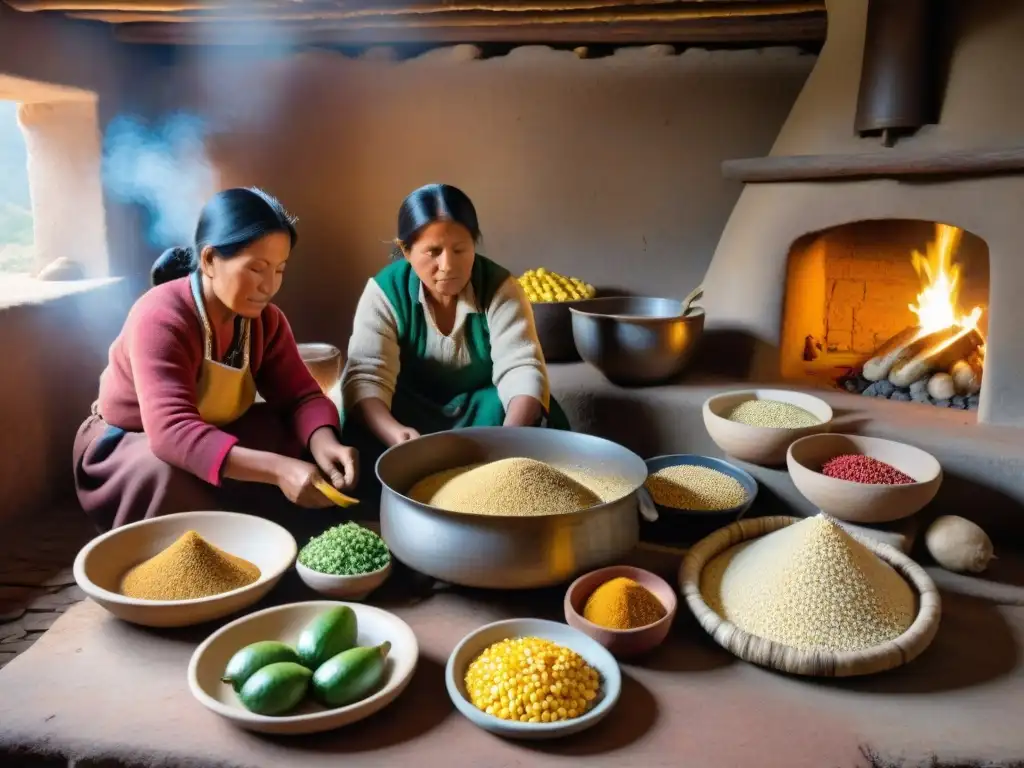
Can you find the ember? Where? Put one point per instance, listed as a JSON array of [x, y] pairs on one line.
[[864, 469]]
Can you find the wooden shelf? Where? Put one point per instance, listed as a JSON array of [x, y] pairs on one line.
[[890, 164]]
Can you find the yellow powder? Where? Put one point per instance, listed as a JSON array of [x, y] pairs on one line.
[[622, 603], [812, 586], [509, 487], [190, 568]]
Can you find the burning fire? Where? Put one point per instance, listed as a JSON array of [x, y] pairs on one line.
[[937, 305]]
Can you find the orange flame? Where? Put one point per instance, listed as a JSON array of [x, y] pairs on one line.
[[937, 304]]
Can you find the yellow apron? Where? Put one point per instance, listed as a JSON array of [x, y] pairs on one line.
[[224, 393]]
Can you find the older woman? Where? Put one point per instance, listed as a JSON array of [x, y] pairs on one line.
[[443, 337], [175, 417]]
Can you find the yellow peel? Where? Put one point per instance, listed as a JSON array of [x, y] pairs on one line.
[[333, 493]]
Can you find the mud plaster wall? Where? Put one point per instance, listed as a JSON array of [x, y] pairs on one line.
[[53, 351], [608, 169]]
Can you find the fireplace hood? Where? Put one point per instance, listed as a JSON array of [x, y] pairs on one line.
[[868, 140]]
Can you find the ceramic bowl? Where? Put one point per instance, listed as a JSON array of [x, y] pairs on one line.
[[694, 524], [765, 446], [102, 563], [343, 587], [592, 652], [554, 329], [861, 502], [285, 623], [324, 362], [621, 642]]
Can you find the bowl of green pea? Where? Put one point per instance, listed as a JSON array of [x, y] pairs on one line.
[[346, 562]]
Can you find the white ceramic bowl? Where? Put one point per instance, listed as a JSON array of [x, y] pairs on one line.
[[596, 655], [343, 587], [765, 446], [285, 623], [863, 502], [102, 563]]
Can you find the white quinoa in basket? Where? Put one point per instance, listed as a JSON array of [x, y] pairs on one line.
[[811, 586]]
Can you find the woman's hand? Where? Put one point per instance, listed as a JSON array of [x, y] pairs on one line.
[[339, 463], [295, 478], [524, 411], [401, 434]]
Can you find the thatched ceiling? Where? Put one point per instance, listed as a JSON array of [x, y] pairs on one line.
[[366, 22]]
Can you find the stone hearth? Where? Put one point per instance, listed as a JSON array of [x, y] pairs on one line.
[[821, 174]]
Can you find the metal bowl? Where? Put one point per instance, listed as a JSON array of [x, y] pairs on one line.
[[324, 363], [507, 552], [636, 340], [554, 329]]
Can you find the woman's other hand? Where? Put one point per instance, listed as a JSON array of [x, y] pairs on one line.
[[524, 411], [339, 463], [295, 478], [402, 434]]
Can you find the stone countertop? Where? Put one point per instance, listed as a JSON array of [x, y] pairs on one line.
[[96, 689]]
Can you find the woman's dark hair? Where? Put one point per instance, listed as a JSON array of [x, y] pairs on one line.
[[230, 221], [434, 202]]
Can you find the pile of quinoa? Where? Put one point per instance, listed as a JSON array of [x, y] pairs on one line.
[[695, 488], [772, 413], [514, 487], [811, 586]]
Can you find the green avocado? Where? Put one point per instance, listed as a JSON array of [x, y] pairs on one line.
[[245, 663], [276, 688], [350, 676], [330, 633]]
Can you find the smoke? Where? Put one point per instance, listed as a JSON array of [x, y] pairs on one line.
[[162, 167]]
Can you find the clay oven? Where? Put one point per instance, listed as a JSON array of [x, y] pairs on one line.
[[878, 244]]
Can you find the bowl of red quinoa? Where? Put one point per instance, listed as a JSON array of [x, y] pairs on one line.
[[863, 479]]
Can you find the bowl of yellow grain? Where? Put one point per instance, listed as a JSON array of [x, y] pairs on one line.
[[184, 569], [759, 425], [583, 679], [695, 495], [551, 295], [627, 610]]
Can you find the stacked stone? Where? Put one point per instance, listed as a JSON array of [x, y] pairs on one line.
[[916, 392]]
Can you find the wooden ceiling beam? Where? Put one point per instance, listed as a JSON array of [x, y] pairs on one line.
[[357, 6], [610, 14], [799, 28]]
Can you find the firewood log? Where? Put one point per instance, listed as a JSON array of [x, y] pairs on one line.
[[878, 367], [945, 348]]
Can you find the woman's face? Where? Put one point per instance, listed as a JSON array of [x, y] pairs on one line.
[[442, 258], [249, 280]]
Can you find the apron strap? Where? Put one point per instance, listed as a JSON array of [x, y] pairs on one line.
[[241, 334]]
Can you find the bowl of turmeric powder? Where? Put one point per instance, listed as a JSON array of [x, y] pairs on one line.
[[184, 569], [627, 610]]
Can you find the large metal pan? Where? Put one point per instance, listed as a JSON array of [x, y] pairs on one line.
[[507, 552]]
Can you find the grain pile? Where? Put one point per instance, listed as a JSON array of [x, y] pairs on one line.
[[690, 487], [772, 413], [622, 603], [510, 487], [188, 569], [811, 586]]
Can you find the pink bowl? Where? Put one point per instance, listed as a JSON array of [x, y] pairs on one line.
[[621, 642]]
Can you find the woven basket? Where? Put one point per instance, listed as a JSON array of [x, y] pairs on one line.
[[785, 658]]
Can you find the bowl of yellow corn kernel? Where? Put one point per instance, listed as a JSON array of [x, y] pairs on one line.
[[551, 295], [532, 679]]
